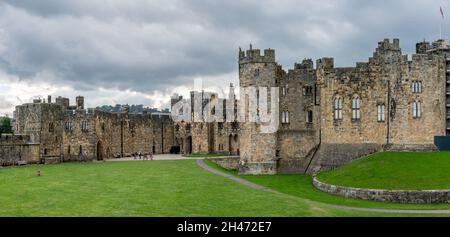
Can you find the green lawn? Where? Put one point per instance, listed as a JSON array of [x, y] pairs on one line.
[[301, 186], [142, 188], [394, 171], [148, 188]]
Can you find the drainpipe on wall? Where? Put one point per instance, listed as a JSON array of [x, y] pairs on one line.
[[389, 115], [121, 138]]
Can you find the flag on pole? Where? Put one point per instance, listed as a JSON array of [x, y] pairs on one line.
[[442, 12]]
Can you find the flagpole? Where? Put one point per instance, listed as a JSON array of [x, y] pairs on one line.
[[440, 25]]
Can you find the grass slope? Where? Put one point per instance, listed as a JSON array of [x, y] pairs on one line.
[[394, 171], [301, 186]]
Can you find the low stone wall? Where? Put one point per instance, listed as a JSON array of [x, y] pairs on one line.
[[398, 196], [258, 168], [230, 163], [414, 147], [292, 166], [52, 160], [19, 153]]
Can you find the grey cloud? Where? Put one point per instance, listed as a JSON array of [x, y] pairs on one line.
[[153, 45], [4, 103]]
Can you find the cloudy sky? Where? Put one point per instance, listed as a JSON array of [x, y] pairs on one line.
[[142, 51]]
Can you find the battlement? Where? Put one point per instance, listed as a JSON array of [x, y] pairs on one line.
[[386, 45], [325, 63], [80, 112], [11, 138], [423, 47], [254, 56], [305, 64]]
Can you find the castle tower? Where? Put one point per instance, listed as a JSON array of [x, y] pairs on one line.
[[80, 102], [257, 147]]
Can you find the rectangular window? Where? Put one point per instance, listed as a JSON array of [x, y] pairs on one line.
[[338, 109], [356, 108], [380, 113], [309, 116], [284, 117], [417, 109], [84, 126], [257, 72], [308, 91]]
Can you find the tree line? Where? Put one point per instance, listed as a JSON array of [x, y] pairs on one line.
[[5, 125], [131, 109]]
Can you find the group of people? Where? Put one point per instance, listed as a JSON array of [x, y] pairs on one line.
[[140, 156]]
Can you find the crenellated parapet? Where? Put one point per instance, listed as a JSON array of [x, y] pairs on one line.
[[325, 63], [306, 64], [254, 56]]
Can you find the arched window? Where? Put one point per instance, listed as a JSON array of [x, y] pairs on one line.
[[417, 109], [51, 127], [338, 108], [356, 108], [417, 87]]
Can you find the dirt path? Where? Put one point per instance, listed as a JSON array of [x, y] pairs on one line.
[[202, 164]]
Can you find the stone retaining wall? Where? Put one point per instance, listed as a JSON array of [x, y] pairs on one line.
[[229, 163], [330, 156], [398, 196]]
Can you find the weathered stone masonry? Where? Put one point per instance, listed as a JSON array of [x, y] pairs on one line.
[[328, 116], [336, 115], [64, 133], [399, 196]]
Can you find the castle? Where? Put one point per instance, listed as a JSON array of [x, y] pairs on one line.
[[329, 116], [54, 132]]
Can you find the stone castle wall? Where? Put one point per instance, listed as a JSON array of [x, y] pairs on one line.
[[323, 141], [17, 148], [79, 143], [298, 139], [312, 140], [71, 133], [256, 70]]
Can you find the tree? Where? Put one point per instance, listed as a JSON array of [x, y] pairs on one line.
[[5, 125]]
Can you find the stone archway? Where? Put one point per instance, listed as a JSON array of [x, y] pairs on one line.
[[230, 144], [99, 150], [188, 145], [233, 144]]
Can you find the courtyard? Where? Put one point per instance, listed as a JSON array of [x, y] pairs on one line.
[[170, 186]]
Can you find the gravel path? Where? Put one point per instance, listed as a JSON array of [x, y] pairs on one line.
[[202, 164], [155, 157]]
